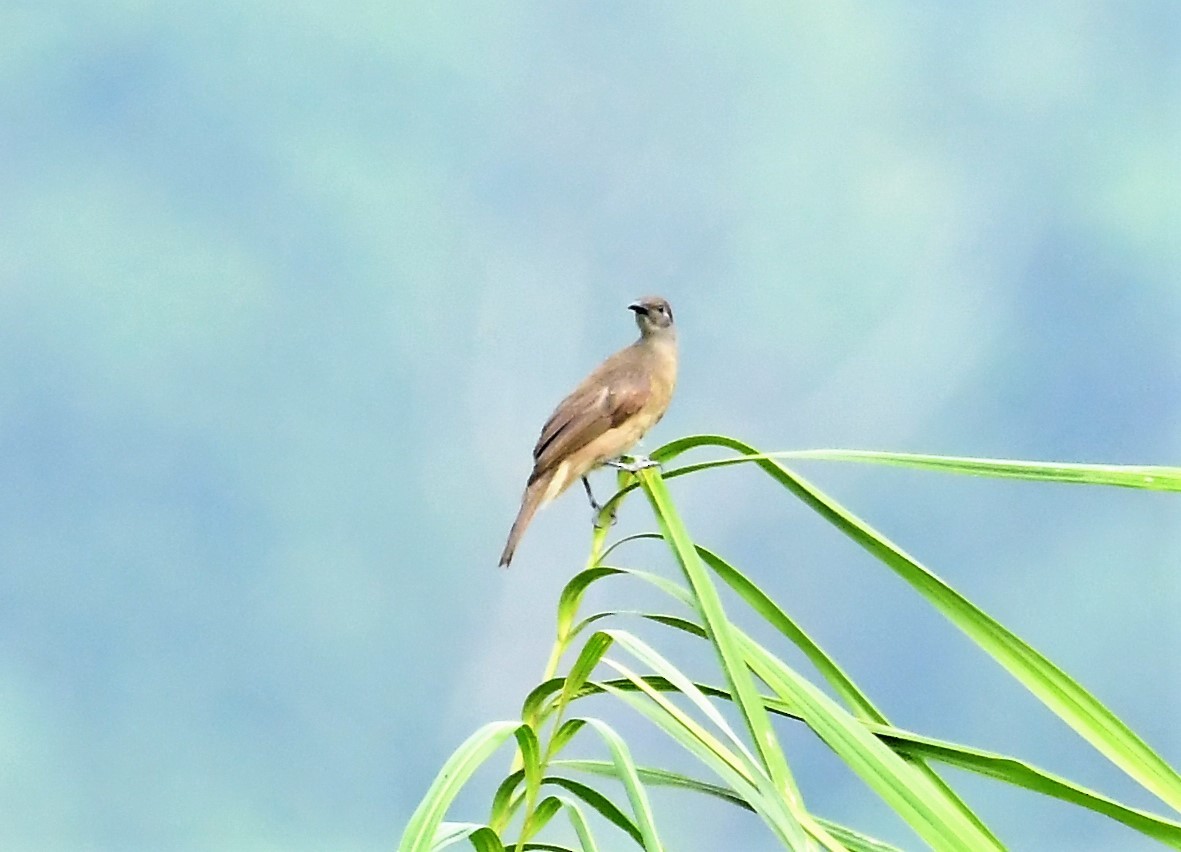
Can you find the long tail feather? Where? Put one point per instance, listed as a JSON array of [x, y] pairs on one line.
[[530, 502]]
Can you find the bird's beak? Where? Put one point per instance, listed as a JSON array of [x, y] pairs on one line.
[[638, 308]]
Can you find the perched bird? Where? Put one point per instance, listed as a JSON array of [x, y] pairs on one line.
[[605, 415]]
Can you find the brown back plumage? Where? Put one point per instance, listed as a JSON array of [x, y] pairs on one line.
[[605, 415], [616, 390]]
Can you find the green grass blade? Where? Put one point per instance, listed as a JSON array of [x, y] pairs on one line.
[[636, 794], [646, 654], [480, 836], [530, 751], [770, 611], [537, 699], [658, 777], [1021, 774], [1151, 477], [1000, 767], [539, 818], [564, 734], [601, 803], [856, 841], [571, 597], [852, 840], [594, 649], [1073, 704], [485, 839], [920, 748], [908, 791], [843, 685], [420, 832], [730, 767], [581, 827], [794, 821], [504, 800], [714, 617]]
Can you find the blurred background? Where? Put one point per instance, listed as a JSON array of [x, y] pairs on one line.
[[287, 291]]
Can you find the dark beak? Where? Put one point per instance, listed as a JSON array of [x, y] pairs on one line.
[[638, 308]]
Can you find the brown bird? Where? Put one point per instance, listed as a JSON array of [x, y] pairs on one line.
[[605, 416]]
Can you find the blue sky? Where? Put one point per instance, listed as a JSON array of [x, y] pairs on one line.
[[286, 292]]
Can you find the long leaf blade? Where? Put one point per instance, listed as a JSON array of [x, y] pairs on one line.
[[459, 767], [1058, 691], [718, 625]]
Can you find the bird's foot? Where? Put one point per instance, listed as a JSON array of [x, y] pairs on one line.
[[596, 507], [634, 464], [601, 522]]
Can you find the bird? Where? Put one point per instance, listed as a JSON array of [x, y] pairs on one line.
[[605, 416]]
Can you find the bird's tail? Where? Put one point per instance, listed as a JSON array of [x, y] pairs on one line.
[[530, 503]]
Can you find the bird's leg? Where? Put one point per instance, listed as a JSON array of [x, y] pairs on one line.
[[634, 464], [595, 507], [590, 496]]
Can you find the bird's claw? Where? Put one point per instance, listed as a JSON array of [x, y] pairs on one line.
[[611, 519], [635, 465]]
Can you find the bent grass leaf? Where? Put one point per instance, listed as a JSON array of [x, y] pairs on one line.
[[709, 605], [657, 777], [504, 800], [541, 815], [1000, 767], [581, 827], [420, 831], [681, 684], [480, 836], [747, 778], [1150, 477], [841, 683], [594, 649], [852, 840], [908, 791], [637, 796], [571, 597], [1053, 687], [1019, 773], [485, 839], [601, 803]]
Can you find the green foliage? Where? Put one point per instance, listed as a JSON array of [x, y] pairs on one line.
[[751, 769]]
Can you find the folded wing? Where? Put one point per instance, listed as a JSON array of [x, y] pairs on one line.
[[587, 413]]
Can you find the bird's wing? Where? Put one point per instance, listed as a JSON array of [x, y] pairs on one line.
[[602, 402]]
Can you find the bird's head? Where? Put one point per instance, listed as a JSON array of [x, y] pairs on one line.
[[653, 315]]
